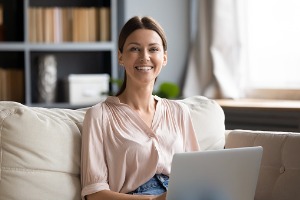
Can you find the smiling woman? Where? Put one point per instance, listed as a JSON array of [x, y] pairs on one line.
[[128, 140], [135, 24]]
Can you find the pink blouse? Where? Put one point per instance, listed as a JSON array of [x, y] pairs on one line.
[[120, 152]]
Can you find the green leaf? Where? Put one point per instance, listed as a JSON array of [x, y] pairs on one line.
[[168, 90]]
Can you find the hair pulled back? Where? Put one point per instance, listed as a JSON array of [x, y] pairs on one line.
[[132, 25]]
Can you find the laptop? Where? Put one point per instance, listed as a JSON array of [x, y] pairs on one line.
[[227, 174]]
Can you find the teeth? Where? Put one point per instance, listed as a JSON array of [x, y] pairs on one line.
[[143, 68]]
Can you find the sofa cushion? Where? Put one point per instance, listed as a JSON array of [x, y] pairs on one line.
[[208, 120], [40, 152], [279, 176]]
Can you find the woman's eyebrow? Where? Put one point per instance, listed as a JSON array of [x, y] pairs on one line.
[[153, 44], [136, 43]]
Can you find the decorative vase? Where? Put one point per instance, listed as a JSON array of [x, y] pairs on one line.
[[47, 79]]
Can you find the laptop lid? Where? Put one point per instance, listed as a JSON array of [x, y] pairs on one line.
[[227, 174]]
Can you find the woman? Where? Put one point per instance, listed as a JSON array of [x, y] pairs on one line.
[[128, 140]]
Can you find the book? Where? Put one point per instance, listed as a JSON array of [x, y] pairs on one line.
[[2, 84], [57, 25], [104, 23], [40, 26], [66, 23], [16, 82], [75, 24], [84, 25], [12, 85], [1, 23], [93, 24], [49, 25], [32, 25]]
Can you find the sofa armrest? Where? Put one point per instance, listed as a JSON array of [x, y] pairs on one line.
[[279, 176]]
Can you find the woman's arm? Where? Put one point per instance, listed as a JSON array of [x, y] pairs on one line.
[[110, 195]]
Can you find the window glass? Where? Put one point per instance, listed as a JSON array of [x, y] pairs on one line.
[[273, 44]]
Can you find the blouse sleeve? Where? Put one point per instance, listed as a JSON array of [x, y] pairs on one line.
[[93, 165], [191, 141]]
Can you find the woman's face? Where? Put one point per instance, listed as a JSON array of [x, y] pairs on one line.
[[143, 56]]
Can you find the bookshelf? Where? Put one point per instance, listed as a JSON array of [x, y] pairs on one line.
[[87, 45]]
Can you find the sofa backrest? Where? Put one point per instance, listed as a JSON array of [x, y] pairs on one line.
[[40, 152], [40, 147], [279, 177], [208, 121]]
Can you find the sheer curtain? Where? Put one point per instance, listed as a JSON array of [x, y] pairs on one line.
[[216, 59]]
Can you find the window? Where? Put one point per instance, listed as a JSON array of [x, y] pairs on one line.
[[273, 48]]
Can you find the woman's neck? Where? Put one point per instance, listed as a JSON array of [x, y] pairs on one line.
[[142, 100]]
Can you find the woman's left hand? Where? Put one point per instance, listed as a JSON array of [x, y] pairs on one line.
[[161, 197]]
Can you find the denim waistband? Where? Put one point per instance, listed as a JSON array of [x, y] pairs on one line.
[[157, 185]]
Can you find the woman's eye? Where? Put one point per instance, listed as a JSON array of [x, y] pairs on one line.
[[154, 49], [134, 49]]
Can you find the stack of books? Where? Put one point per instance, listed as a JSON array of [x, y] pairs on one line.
[[69, 24]]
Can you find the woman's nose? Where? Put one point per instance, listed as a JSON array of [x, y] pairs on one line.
[[144, 57]]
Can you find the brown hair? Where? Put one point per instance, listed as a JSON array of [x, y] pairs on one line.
[[130, 26]]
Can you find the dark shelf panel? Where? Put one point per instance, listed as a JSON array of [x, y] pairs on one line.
[[12, 59], [13, 20]]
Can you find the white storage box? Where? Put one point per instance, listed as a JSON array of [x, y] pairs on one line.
[[87, 88]]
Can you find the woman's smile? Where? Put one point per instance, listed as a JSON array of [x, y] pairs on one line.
[[143, 56], [144, 68]]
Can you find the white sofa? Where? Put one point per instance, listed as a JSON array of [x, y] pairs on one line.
[[40, 151]]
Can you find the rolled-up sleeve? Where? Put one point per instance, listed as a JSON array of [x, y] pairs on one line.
[[93, 166]]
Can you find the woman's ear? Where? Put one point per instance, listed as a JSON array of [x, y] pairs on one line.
[[165, 58], [120, 58]]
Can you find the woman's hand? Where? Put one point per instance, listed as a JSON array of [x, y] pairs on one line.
[[161, 197], [110, 195]]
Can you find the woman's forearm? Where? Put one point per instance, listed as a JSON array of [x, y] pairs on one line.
[[110, 195]]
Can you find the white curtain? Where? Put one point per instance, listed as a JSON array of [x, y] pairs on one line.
[[216, 58]]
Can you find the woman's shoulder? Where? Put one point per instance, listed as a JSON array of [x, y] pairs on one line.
[[174, 104], [99, 108]]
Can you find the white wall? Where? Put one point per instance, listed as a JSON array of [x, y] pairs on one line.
[[173, 15]]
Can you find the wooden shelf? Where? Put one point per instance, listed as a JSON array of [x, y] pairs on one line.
[[261, 114], [12, 46], [260, 104], [99, 46]]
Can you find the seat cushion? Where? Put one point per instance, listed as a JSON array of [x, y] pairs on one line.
[[40, 152]]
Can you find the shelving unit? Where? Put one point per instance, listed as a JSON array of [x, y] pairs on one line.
[[18, 51]]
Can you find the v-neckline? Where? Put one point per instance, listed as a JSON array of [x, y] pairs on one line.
[[138, 117]]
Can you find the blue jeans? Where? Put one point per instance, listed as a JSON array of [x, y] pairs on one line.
[[157, 185]]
